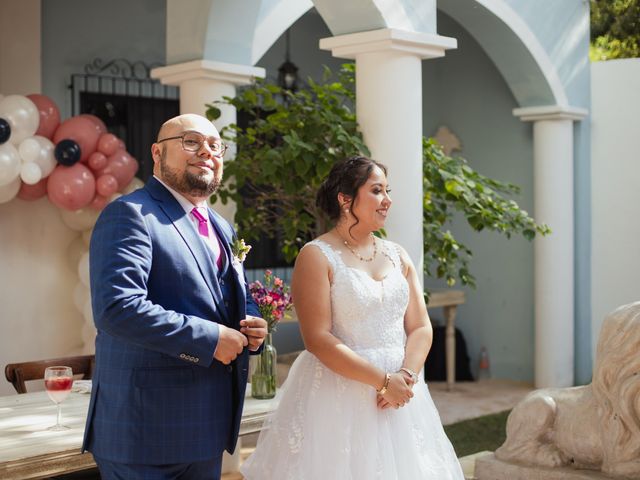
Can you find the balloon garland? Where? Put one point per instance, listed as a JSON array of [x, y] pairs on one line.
[[76, 163]]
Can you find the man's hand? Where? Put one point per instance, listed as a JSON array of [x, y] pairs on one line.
[[255, 328], [230, 344]]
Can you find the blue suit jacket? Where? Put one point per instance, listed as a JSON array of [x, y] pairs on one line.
[[158, 395]]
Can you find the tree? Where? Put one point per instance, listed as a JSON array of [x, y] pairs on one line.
[[295, 138], [615, 29]]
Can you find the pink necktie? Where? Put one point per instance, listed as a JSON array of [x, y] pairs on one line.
[[203, 228]]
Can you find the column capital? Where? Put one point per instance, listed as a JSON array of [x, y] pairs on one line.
[[207, 70], [550, 112], [423, 45]]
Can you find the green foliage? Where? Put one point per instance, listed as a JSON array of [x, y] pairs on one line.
[[615, 29], [290, 146], [450, 186], [478, 434], [284, 155]]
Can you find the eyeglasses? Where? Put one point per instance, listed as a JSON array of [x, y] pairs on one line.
[[193, 141]]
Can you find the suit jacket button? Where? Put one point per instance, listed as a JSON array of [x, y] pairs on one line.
[[196, 359], [182, 355], [229, 368]]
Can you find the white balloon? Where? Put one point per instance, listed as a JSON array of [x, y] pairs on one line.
[[9, 163], [29, 149], [74, 251], [39, 150], [134, 184], [79, 220], [83, 269], [22, 115], [80, 296], [30, 173], [86, 237], [89, 334], [7, 192]]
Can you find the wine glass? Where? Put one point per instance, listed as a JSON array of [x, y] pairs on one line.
[[57, 382]]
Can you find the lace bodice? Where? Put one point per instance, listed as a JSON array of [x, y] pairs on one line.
[[367, 314]]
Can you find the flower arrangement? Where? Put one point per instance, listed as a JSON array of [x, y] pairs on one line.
[[239, 249], [272, 297]]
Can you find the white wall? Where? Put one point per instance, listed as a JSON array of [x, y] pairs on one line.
[[20, 46], [615, 159], [38, 274]]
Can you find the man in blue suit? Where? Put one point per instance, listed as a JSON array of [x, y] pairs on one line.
[[174, 316]]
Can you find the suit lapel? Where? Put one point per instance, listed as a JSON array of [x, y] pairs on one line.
[[174, 211], [226, 236]]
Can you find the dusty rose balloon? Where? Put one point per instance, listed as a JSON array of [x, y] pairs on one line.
[[108, 144], [106, 185], [97, 122], [122, 166], [99, 202], [97, 161], [82, 131], [72, 187], [49, 114], [33, 192]]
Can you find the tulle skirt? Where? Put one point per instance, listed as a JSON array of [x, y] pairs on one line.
[[329, 427]]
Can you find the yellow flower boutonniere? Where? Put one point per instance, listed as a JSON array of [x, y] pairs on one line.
[[239, 249]]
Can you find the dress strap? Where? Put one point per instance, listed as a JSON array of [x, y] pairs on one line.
[[328, 251], [393, 253]]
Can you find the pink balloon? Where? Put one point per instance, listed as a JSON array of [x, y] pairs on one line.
[[82, 131], [106, 185], [49, 115], [122, 166], [108, 144], [33, 192], [99, 202], [97, 122], [97, 161], [72, 187]]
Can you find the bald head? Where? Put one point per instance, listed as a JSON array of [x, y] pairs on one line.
[[187, 122]]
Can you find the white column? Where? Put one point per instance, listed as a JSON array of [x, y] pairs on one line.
[[202, 82], [389, 111], [554, 254]]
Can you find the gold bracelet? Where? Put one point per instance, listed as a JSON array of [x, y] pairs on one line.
[[385, 385], [412, 374]]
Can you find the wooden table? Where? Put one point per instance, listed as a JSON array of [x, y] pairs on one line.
[[449, 301], [29, 451]]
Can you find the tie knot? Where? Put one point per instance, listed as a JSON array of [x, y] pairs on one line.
[[202, 222]]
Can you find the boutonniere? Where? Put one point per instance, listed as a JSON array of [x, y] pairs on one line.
[[239, 249]]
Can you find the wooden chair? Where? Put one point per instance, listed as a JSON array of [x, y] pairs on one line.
[[19, 373]]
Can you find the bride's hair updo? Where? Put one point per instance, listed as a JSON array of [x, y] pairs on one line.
[[346, 177]]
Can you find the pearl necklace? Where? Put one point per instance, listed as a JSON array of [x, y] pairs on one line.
[[356, 253]]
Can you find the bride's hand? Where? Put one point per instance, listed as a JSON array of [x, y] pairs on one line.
[[398, 392]]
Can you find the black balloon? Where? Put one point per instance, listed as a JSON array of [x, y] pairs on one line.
[[5, 131], [67, 152]]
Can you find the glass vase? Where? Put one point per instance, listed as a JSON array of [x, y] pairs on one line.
[[263, 380]]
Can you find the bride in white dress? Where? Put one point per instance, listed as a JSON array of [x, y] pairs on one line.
[[352, 407]]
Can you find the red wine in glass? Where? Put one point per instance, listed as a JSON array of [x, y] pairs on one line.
[[57, 382]]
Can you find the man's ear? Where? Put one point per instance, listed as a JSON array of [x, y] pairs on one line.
[[156, 152]]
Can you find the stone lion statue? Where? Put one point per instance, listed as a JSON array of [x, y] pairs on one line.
[[595, 426]]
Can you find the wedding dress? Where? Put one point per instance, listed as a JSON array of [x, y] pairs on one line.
[[328, 426]]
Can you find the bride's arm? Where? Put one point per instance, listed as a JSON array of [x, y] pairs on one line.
[[417, 325], [310, 288]]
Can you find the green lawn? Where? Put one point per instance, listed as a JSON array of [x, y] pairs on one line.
[[478, 434]]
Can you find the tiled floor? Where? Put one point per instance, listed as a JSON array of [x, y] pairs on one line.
[[466, 400]]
